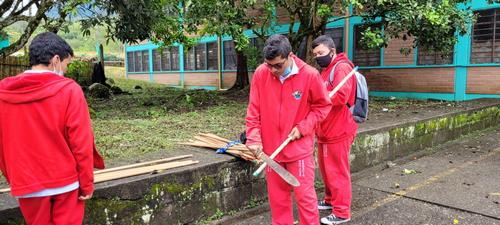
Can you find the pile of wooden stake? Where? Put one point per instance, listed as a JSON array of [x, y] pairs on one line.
[[215, 142], [149, 167]]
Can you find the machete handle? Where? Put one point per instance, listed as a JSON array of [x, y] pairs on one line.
[[276, 152]]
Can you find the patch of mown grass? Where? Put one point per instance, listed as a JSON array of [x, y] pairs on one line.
[[378, 103], [157, 118]]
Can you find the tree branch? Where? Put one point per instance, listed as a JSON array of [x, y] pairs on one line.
[[5, 6], [33, 23], [15, 6], [23, 9], [12, 19]]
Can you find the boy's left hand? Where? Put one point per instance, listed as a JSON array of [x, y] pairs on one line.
[[85, 197]]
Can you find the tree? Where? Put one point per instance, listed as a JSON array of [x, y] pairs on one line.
[[432, 24], [52, 14], [227, 17]]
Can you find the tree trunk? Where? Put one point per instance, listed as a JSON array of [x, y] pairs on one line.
[[241, 71]]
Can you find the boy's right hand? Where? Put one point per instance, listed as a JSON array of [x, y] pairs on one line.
[[255, 149]]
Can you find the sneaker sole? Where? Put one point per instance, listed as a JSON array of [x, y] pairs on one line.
[[326, 222], [324, 207]]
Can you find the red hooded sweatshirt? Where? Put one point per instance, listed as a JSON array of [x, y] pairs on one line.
[[46, 139], [339, 124], [275, 108]]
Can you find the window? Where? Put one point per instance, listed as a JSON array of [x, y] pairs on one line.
[[156, 60], [130, 62], [255, 55], [138, 61], [362, 55], [337, 34], [428, 57], [175, 58], [229, 55], [201, 57], [212, 56], [201, 54], [145, 61], [189, 59], [165, 60], [486, 37]]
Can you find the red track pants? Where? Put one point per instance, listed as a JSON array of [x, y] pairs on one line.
[[333, 160], [280, 194], [62, 209]]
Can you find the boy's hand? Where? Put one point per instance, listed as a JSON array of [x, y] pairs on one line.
[[85, 197], [255, 149], [295, 134]]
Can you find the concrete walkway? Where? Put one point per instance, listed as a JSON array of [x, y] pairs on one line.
[[456, 183]]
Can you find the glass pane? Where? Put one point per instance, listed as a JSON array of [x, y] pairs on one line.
[[229, 56], [175, 57], [362, 55], [483, 37], [189, 60], [165, 60], [212, 56], [130, 62], [156, 60], [138, 61], [145, 61], [201, 56]]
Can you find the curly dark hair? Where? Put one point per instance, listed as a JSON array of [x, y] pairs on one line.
[[45, 46]]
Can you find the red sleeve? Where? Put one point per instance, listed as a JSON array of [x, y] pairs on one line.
[[80, 139], [253, 113], [343, 94], [2, 161], [320, 106]]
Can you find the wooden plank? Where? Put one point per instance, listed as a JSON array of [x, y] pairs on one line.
[[141, 170], [114, 175], [142, 164]]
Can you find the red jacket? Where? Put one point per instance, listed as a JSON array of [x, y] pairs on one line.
[[46, 138], [275, 108], [339, 124]]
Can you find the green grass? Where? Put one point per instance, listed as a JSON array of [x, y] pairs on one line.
[[157, 118]]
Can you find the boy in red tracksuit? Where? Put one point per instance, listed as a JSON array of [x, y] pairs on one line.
[[47, 149], [287, 99], [336, 133]]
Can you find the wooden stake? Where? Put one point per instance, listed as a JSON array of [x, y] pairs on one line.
[[102, 177], [141, 170], [142, 164]]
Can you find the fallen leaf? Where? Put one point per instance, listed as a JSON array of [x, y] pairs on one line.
[[407, 172]]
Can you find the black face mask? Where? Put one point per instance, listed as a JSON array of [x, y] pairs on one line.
[[324, 61]]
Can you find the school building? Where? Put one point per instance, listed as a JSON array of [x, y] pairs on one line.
[[471, 72]]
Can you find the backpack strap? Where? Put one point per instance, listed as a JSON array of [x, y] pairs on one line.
[[332, 73]]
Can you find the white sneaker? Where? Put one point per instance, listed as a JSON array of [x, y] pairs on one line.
[[332, 219]]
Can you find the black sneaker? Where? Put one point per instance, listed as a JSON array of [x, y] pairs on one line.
[[332, 219], [322, 205]]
